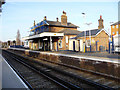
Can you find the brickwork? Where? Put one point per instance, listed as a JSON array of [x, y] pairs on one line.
[[56, 29], [65, 46], [100, 21], [64, 19], [102, 38]]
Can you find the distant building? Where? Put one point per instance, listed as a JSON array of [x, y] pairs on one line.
[[52, 35], [115, 28], [99, 40], [115, 36]]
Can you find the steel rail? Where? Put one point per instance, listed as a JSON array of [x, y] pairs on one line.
[[82, 79], [61, 82]]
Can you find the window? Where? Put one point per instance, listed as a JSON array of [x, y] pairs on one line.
[[112, 26], [88, 43], [117, 32], [116, 26], [113, 32], [26, 42], [66, 39], [60, 43]]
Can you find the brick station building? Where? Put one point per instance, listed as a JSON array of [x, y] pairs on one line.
[[51, 35]]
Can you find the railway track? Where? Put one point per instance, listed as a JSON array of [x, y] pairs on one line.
[[35, 79], [68, 74]]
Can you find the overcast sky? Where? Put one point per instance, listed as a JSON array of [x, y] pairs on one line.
[[21, 15]]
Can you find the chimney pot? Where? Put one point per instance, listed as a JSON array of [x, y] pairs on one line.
[[64, 12], [57, 19], [100, 16], [45, 18]]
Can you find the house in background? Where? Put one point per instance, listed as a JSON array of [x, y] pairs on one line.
[[99, 40], [115, 36], [52, 35], [115, 28], [93, 40]]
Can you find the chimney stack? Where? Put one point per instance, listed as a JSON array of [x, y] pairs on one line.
[[64, 19], [100, 22], [34, 22], [57, 19], [45, 18]]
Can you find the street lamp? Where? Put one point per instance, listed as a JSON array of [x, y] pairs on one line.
[[89, 33], [84, 31], [111, 40]]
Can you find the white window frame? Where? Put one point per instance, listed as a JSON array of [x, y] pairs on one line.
[[113, 26], [116, 26], [88, 43], [117, 32], [66, 39], [113, 33]]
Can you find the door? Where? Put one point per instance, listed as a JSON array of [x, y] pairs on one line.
[[73, 45]]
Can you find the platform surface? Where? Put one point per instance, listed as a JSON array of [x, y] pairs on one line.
[[8, 77]]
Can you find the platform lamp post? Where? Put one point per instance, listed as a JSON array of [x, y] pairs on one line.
[[88, 24], [111, 40], [84, 31]]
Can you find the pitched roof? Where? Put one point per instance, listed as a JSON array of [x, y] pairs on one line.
[[55, 23], [116, 23], [93, 32], [69, 32]]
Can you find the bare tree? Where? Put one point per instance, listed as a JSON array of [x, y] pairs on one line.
[[18, 41]]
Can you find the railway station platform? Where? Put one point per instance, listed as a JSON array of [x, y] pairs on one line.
[[97, 56], [98, 62], [9, 79]]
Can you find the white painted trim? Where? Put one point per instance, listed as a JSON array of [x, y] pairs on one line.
[[101, 31], [43, 35], [46, 23]]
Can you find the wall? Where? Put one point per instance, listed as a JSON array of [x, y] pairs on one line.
[[71, 44], [102, 38], [115, 29], [56, 29], [105, 66], [65, 46]]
